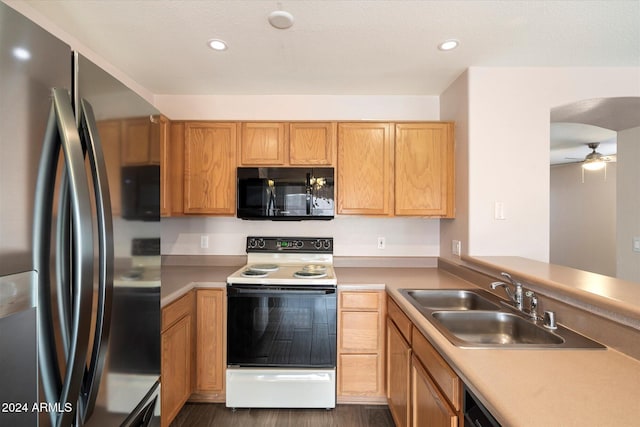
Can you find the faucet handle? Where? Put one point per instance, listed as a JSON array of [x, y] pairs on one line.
[[550, 320], [533, 304]]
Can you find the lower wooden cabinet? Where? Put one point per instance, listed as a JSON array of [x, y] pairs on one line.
[[176, 356], [422, 389], [361, 317], [428, 406], [398, 375], [210, 346]]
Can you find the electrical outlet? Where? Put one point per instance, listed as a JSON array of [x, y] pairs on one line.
[[456, 247], [381, 242], [204, 241]]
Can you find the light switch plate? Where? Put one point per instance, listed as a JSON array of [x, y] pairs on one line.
[[636, 244]]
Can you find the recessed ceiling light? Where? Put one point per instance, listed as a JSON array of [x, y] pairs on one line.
[[217, 44], [21, 53], [448, 44], [280, 19]]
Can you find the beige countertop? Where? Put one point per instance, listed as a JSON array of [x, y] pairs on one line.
[[606, 293], [520, 387]]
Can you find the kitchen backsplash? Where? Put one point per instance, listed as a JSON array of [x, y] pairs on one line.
[[353, 236]]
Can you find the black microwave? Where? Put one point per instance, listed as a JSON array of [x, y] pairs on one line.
[[141, 192], [283, 193]]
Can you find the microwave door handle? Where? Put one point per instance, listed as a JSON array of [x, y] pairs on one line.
[[308, 194]]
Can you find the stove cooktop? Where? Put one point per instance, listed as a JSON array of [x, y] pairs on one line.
[[286, 274]]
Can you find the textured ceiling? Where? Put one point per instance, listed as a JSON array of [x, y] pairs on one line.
[[342, 47]]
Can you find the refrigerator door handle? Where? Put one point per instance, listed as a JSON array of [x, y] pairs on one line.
[[92, 144], [61, 131]]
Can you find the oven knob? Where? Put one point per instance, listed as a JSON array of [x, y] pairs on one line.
[[326, 244], [318, 244], [298, 243], [261, 243], [252, 243]]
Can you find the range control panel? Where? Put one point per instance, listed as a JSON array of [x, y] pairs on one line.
[[322, 245]]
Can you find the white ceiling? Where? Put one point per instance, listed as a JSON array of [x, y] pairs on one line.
[[342, 47]]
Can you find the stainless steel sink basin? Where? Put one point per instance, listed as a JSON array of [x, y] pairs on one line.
[[496, 328], [450, 299], [476, 318]]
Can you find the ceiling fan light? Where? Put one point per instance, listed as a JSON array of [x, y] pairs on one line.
[[593, 165]]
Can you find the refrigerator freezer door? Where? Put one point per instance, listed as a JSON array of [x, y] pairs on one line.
[[18, 297]]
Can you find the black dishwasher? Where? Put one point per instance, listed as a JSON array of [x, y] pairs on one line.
[[475, 414]]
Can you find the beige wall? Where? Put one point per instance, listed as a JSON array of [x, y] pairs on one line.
[[454, 105], [583, 218], [509, 148], [628, 212]]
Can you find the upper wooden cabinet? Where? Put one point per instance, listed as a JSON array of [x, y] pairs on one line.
[[165, 168], [396, 169], [287, 144], [312, 143], [140, 141], [109, 131], [263, 143], [210, 168], [365, 168], [424, 169]]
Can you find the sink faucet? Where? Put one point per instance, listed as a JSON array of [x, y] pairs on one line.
[[516, 295]]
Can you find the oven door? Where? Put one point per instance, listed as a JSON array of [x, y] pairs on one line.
[[281, 326]]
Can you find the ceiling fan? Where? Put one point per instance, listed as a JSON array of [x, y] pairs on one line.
[[594, 160]]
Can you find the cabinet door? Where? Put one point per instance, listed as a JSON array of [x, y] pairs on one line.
[[424, 175], [262, 144], [210, 343], [210, 168], [398, 375], [136, 137], [312, 143], [176, 368], [176, 168], [361, 333], [109, 131], [365, 165], [429, 408], [359, 375], [165, 168]]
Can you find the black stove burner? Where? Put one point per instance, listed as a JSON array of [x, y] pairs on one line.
[[254, 273], [303, 274]]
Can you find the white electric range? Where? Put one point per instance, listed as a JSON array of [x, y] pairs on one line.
[[281, 325]]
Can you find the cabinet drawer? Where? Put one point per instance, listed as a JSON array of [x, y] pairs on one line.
[[176, 310], [369, 301], [438, 368], [360, 332], [399, 318]]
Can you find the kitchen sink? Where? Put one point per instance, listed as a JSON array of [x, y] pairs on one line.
[[476, 318], [450, 299], [494, 328]]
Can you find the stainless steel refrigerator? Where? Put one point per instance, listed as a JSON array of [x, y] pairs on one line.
[[79, 279]]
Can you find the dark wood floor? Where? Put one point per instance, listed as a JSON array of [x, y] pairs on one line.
[[217, 415]]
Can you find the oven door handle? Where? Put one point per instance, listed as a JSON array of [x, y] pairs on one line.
[[231, 290]]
